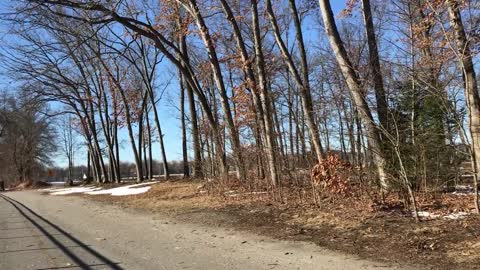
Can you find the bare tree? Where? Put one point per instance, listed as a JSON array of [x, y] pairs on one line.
[[69, 144], [353, 83], [471, 87]]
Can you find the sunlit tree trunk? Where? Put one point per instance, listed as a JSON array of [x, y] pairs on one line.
[[218, 79], [471, 87], [264, 96], [352, 80]]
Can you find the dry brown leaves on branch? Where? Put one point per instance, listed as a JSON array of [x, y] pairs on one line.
[[347, 11], [332, 176]]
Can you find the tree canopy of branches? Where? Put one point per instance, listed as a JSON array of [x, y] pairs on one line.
[[266, 88], [27, 138]]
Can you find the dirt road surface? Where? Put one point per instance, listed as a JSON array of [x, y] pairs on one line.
[[67, 232]]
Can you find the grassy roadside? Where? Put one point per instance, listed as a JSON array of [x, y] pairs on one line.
[[351, 226]]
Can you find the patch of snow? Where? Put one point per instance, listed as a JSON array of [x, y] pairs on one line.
[[125, 190], [462, 193], [57, 183], [130, 191], [63, 182], [452, 216], [463, 190], [73, 190], [458, 215], [464, 187], [172, 174], [422, 214], [425, 214], [100, 192]]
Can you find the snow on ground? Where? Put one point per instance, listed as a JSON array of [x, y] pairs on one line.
[[458, 215], [425, 214], [93, 190], [459, 193], [73, 190], [130, 191], [124, 190], [463, 190], [452, 216], [63, 182], [57, 183], [463, 187]]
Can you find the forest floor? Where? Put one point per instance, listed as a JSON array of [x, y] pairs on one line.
[[354, 226]]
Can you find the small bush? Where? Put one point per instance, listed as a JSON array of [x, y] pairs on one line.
[[331, 177]]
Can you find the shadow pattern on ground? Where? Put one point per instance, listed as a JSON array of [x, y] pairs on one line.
[[44, 225]]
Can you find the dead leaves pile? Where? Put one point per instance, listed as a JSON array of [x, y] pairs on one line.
[[332, 176]]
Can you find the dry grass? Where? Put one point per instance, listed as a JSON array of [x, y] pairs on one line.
[[167, 197]]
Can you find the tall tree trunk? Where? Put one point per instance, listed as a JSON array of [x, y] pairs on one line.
[[353, 83], [98, 161], [166, 172], [302, 80], [362, 157], [197, 156], [141, 133], [279, 133], [197, 153], [156, 118], [290, 122], [117, 146], [220, 85], [105, 126], [260, 92], [264, 96], [149, 145], [136, 154], [471, 87], [145, 158], [375, 68], [89, 168], [186, 170]]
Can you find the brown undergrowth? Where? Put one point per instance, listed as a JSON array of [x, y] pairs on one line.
[[351, 224]]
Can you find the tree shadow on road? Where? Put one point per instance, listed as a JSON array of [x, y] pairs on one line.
[[35, 220]]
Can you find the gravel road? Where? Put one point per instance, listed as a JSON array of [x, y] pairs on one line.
[[67, 232]]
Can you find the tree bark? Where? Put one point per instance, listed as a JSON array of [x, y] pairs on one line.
[[260, 92], [265, 99], [471, 87], [149, 163], [186, 170], [375, 68], [218, 78], [353, 83]]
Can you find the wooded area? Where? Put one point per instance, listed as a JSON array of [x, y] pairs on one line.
[[379, 98]]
